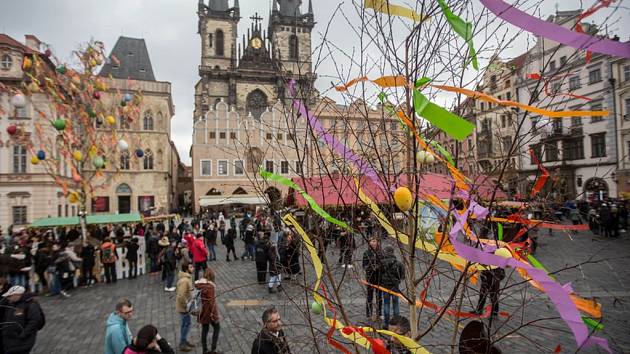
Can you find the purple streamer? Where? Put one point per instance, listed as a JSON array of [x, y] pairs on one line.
[[361, 165], [555, 32], [558, 294]]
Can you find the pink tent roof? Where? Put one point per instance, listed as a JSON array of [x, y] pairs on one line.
[[340, 190]]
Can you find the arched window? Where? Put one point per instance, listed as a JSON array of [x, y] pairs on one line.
[[148, 120], [123, 123], [124, 160], [219, 50], [6, 62], [256, 103], [293, 47], [148, 160]]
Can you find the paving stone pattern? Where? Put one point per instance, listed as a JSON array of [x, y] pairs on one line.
[[77, 324]]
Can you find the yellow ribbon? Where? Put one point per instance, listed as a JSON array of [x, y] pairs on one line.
[[394, 10]]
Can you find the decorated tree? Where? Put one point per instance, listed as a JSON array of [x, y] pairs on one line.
[[74, 133]]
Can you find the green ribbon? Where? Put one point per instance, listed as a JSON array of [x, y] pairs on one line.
[[500, 232], [595, 325], [452, 124], [313, 204], [538, 265], [442, 151], [462, 28]]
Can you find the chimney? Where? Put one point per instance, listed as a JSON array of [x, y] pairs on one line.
[[32, 42]]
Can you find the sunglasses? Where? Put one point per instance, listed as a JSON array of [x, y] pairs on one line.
[[127, 312]]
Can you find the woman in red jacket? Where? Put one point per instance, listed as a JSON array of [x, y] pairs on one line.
[[199, 254], [209, 314]]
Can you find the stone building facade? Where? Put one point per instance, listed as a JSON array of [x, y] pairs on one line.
[[621, 93]]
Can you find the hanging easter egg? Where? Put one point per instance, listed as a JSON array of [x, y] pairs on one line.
[[77, 155], [111, 120], [12, 129], [123, 103], [100, 85], [18, 100], [127, 97], [34, 160], [99, 121], [93, 151], [403, 198], [73, 197], [96, 95], [27, 63], [59, 124], [76, 79], [61, 69], [316, 308], [93, 62], [139, 152], [41, 155], [98, 162], [430, 159], [33, 87], [48, 53], [91, 112], [123, 145], [421, 156], [76, 177]]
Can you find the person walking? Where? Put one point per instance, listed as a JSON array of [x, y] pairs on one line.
[[153, 250], [117, 334], [347, 244], [271, 339], [490, 285], [275, 266], [210, 236], [132, 257], [262, 257], [199, 253], [292, 254], [183, 296], [229, 244], [372, 267], [108, 258], [21, 318], [148, 341], [392, 273], [209, 314], [88, 254], [169, 266], [249, 239]]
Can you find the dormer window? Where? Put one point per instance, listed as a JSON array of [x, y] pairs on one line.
[[142, 70], [6, 62]]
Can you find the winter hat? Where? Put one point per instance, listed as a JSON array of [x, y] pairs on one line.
[[145, 336], [164, 242], [14, 290]]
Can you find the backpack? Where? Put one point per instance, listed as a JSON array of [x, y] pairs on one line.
[[108, 255], [193, 306]]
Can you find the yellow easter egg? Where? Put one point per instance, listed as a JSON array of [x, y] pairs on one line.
[[34, 160], [77, 155], [403, 198], [111, 120], [73, 197]]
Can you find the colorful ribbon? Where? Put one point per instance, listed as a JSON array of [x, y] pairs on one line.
[[393, 10], [462, 28], [311, 202], [540, 183], [556, 32]]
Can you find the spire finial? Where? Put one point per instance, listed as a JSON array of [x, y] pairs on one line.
[[310, 7]]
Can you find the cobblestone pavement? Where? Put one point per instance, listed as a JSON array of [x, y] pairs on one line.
[[77, 324]]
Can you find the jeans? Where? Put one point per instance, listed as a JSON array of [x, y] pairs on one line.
[[170, 278], [54, 286], [274, 279], [387, 298], [216, 328], [133, 269], [110, 272], [18, 279], [154, 263], [200, 267], [249, 251], [212, 251], [185, 328], [369, 305]]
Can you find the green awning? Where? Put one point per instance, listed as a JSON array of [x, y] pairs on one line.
[[91, 219]]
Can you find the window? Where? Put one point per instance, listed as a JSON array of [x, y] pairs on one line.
[[503, 121], [563, 60], [74, 210], [59, 210], [626, 73], [219, 50], [269, 166], [21, 112], [594, 76], [284, 167], [298, 167], [573, 149], [100, 204], [574, 83], [508, 96], [556, 126], [269, 136], [552, 65], [148, 120], [555, 89], [627, 107], [280, 136], [537, 149], [146, 203], [124, 160], [482, 106], [551, 151], [148, 160], [206, 167], [576, 121], [596, 107], [19, 159], [213, 135], [293, 47], [123, 123], [66, 209], [598, 145], [222, 168], [19, 215], [221, 135], [6, 62], [238, 168], [506, 143], [210, 40], [233, 135]]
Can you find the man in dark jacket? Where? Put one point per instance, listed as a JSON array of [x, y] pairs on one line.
[[89, 259], [271, 339], [153, 250], [261, 257], [392, 272], [490, 285], [21, 317], [372, 267], [132, 257]]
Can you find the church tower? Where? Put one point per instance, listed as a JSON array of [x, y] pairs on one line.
[[290, 33], [218, 30]]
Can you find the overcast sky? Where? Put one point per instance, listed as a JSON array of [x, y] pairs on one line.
[[170, 30]]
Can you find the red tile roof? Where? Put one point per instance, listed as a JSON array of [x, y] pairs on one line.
[[5, 39]]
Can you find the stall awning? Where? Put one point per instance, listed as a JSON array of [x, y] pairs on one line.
[[212, 200], [91, 219]]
